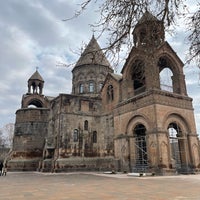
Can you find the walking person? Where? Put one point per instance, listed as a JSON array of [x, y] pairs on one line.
[[4, 170], [1, 167]]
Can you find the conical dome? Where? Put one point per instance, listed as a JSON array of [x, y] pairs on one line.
[[90, 71], [93, 55], [36, 76]]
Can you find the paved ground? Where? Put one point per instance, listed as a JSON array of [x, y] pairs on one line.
[[91, 186]]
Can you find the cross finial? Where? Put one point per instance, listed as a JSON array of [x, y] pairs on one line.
[[37, 68], [93, 31]]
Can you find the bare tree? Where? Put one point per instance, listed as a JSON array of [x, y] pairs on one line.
[[119, 17], [7, 133], [194, 37], [2, 139]]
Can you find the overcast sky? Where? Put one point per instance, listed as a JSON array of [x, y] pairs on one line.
[[34, 35]]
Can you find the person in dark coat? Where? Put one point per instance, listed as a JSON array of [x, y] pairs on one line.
[[1, 166], [4, 170]]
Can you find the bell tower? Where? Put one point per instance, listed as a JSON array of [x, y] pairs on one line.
[[152, 55], [157, 123], [30, 127]]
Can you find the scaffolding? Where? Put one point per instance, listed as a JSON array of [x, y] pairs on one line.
[[141, 157], [178, 155]]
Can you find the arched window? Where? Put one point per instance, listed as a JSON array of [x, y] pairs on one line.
[[86, 125], [100, 86], [81, 88], [91, 87], [94, 137], [166, 74], [40, 86], [138, 77], [110, 93], [34, 88], [75, 135], [143, 37], [166, 80], [35, 103]]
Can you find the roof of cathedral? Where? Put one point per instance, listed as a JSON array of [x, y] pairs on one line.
[[147, 17], [36, 76], [93, 54], [116, 76]]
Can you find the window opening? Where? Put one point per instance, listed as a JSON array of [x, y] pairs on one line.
[[91, 87], [100, 86], [40, 86], [166, 75], [94, 137], [143, 36], [166, 80], [138, 77], [86, 125], [81, 87], [110, 93], [34, 88], [35, 104], [75, 136]]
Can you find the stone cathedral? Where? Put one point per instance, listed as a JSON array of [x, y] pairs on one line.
[[128, 122]]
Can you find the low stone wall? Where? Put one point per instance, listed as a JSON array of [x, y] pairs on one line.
[[80, 164], [23, 165], [85, 164]]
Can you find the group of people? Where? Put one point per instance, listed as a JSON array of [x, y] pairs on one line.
[[3, 169]]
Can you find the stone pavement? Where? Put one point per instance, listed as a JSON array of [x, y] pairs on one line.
[[97, 186]]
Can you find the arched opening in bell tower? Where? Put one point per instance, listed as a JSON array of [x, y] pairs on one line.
[[35, 103], [141, 156], [166, 80], [35, 87], [169, 75], [177, 142], [138, 77]]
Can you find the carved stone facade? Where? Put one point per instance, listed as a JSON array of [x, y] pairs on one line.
[[127, 122]]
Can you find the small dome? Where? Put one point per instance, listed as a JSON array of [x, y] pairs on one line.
[[36, 76]]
